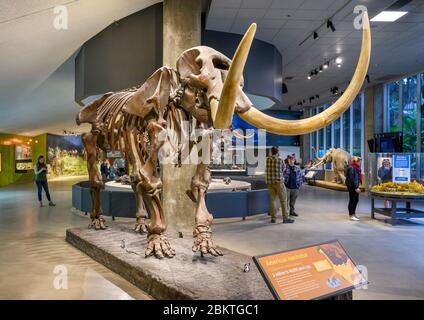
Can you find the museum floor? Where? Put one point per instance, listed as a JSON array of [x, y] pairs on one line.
[[32, 244]]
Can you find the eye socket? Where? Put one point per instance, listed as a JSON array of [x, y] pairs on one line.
[[220, 64]]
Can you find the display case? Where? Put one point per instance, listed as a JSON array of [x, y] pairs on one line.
[[396, 172], [233, 160], [396, 179]]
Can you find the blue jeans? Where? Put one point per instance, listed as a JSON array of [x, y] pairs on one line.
[[43, 185]]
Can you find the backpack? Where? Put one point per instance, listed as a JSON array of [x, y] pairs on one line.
[[348, 175]]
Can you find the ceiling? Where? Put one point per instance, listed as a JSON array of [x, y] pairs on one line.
[[397, 48], [37, 65], [37, 76]]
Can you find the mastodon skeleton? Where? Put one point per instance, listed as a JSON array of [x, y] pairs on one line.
[[205, 89]]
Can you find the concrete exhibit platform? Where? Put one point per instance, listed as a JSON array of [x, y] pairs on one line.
[[332, 185], [186, 276]]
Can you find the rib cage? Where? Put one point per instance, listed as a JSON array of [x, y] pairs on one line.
[[115, 124]]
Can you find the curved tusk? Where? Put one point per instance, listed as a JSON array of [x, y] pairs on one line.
[[242, 137], [213, 103], [302, 126], [227, 101]]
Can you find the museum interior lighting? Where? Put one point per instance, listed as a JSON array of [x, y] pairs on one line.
[[388, 16], [331, 25]]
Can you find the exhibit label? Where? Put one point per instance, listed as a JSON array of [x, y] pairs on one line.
[[313, 272], [401, 168]]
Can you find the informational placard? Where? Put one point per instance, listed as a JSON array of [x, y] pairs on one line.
[[401, 168], [310, 174], [314, 272], [23, 158]]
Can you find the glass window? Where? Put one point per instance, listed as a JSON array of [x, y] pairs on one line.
[[422, 110], [409, 113], [346, 130], [357, 126], [336, 126], [313, 137], [328, 140], [393, 106], [321, 147]]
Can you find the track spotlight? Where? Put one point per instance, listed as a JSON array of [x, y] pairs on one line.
[[330, 25], [339, 62], [317, 96], [309, 77], [368, 78], [320, 69], [334, 90], [316, 35], [326, 65], [285, 88]]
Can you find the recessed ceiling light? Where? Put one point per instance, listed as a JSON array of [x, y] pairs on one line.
[[388, 16]]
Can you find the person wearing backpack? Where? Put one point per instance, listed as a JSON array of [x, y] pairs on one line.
[[353, 184]]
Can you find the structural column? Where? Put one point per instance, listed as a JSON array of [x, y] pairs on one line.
[[368, 129], [181, 31]]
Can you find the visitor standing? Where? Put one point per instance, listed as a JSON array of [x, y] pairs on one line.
[[120, 165], [293, 179], [385, 174], [353, 183], [40, 170], [276, 188], [104, 170]]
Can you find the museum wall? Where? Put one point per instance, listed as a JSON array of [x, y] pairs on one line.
[[123, 55], [8, 142]]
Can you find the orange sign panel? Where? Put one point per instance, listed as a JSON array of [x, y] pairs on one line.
[[313, 272]]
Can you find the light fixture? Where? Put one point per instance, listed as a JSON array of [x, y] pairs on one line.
[[388, 16], [316, 35], [326, 65], [317, 96], [339, 60], [309, 77], [285, 88], [320, 69], [330, 25]]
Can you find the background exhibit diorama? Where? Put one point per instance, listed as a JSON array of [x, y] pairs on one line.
[[64, 154]]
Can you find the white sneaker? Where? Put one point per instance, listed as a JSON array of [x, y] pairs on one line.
[[354, 218]]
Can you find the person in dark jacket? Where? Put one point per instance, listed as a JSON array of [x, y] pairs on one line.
[[40, 171], [353, 183], [104, 170]]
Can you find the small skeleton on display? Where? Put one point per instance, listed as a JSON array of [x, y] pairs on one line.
[[205, 90]]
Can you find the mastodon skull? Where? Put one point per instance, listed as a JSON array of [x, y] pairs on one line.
[[206, 70]]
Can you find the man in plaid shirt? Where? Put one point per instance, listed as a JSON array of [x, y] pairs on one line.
[[275, 184]]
